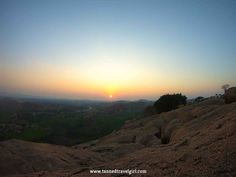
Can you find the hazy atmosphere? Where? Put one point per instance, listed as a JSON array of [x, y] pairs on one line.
[[124, 49], [117, 88]]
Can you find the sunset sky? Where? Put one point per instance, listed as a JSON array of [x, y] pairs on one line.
[[116, 49]]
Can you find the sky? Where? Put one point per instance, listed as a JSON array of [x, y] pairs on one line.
[[116, 49]]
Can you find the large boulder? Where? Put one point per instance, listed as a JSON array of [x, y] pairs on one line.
[[230, 95]]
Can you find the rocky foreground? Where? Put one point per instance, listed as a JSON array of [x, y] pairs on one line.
[[197, 140]]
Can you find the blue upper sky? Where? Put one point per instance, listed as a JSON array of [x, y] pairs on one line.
[[184, 46]]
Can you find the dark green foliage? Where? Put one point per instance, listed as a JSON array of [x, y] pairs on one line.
[[33, 134], [169, 102], [65, 124], [230, 95]]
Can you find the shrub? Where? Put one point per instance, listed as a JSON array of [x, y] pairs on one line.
[[169, 102], [230, 95]]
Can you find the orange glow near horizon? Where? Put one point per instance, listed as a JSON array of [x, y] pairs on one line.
[[125, 80], [86, 50], [76, 85]]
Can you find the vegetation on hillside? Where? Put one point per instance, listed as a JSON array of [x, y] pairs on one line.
[[64, 123], [169, 102]]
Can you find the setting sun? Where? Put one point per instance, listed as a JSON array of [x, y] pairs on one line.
[[87, 51], [95, 86]]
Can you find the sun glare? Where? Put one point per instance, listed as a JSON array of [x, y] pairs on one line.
[[110, 96]]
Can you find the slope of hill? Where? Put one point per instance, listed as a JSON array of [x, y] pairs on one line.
[[195, 140]]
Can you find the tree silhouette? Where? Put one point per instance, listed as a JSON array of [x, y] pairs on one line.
[[169, 102]]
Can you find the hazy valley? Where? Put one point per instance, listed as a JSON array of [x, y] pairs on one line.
[[64, 122]]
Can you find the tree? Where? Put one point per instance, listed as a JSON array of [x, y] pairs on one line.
[[169, 102], [225, 87]]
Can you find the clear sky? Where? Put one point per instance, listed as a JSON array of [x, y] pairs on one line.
[[130, 49]]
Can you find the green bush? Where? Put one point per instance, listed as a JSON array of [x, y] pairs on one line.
[[169, 102], [33, 134]]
